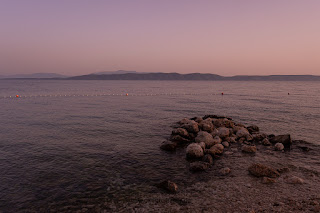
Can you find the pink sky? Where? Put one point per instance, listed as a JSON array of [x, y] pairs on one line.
[[227, 37]]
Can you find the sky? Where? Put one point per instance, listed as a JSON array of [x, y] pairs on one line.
[[226, 37]]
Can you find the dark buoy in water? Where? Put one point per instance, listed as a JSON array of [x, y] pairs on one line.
[[222, 93], [17, 96], [127, 94], [288, 93]]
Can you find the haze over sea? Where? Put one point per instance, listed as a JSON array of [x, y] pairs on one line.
[[83, 142]]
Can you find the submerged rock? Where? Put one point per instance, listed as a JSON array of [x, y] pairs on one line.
[[168, 146], [168, 186], [199, 166], [178, 139], [260, 170], [194, 150]]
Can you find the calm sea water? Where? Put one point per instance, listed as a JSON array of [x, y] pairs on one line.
[[93, 144]]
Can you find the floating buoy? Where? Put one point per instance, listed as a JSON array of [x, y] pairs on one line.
[[127, 94], [17, 96], [288, 93], [222, 93]]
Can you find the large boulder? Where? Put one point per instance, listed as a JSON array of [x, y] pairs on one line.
[[199, 166], [260, 170], [180, 131], [242, 133], [284, 139], [214, 132], [223, 132], [191, 126], [204, 137], [194, 150], [206, 125], [168, 146]]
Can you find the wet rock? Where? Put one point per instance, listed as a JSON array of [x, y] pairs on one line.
[[232, 140], [206, 125], [242, 133], [214, 132], [260, 170], [278, 147], [194, 150], [284, 139], [208, 159], [168, 146], [223, 132], [199, 166], [205, 137], [253, 129], [267, 180], [225, 171], [197, 119], [168, 186], [180, 131], [241, 140], [216, 149], [294, 180], [249, 149], [217, 123], [259, 137], [266, 142], [184, 121], [191, 126], [178, 139], [217, 140], [225, 144], [203, 145]]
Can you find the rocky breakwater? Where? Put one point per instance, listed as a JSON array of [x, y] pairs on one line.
[[210, 137]]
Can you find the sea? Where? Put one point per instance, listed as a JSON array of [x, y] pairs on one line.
[[67, 144]]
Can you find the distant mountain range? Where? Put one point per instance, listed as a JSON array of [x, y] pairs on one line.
[[133, 75], [194, 76]]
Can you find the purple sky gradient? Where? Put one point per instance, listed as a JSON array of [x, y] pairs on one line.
[[227, 37]]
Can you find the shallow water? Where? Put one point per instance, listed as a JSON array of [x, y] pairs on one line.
[[93, 143]]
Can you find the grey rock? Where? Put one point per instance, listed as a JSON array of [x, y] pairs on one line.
[[194, 150], [278, 147]]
